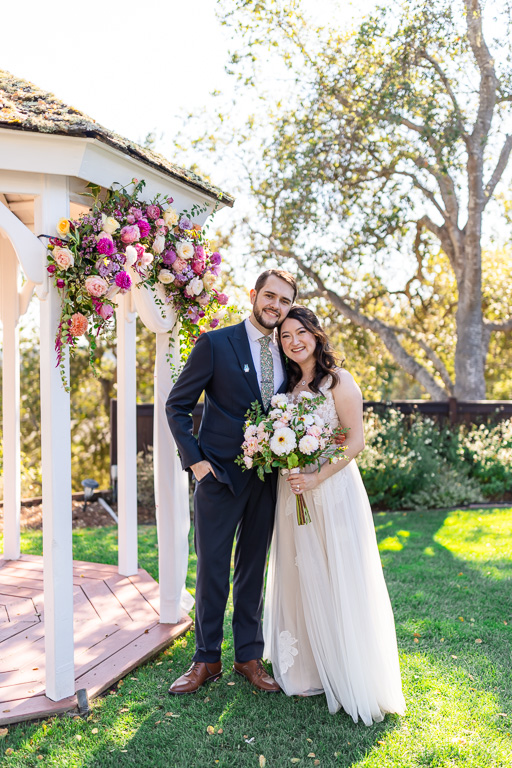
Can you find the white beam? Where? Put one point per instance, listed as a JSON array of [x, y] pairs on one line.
[[126, 436], [56, 470], [9, 316], [29, 250], [171, 493]]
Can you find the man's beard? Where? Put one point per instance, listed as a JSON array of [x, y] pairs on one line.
[[269, 324]]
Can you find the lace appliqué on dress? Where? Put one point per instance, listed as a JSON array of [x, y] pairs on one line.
[[287, 650]]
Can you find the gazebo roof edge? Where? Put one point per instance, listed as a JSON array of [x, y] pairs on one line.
[[25, 107]]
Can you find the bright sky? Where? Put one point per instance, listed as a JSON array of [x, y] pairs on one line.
[[133, 67]]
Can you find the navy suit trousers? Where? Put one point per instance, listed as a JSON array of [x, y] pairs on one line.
[[219, 516]]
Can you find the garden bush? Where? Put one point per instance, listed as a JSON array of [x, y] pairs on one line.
[[412, 462]]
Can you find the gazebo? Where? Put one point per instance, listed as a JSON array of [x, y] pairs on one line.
[[69, 626]]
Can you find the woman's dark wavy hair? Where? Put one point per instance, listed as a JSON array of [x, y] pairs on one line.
[[326, 363]]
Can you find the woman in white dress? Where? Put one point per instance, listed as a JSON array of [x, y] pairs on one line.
[[328, 623]]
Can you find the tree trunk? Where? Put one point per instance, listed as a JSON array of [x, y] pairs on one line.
[[469, 350]]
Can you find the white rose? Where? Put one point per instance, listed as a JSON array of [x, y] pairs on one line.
[[165, 276], [63, 257], [209, 280], [185, 250], [196, 286], [170, 217], [159, 244], [131, 256], [110, 224]]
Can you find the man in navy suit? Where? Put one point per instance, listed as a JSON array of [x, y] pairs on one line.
[[234, 367]]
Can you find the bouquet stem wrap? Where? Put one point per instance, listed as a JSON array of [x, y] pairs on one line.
[[303, 516]]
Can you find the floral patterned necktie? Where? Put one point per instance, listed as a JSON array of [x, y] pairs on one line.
[[267, 371]]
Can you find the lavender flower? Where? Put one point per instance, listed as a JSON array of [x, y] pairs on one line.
[[185, 223]]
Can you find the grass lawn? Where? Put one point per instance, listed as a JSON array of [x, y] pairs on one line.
[[449, 575]]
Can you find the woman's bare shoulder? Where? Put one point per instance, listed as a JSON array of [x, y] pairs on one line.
[[346, 384]]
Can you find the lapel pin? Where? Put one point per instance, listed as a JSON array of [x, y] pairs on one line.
[[246, 368]]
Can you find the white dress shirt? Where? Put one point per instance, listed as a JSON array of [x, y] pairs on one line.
[[254, 334]]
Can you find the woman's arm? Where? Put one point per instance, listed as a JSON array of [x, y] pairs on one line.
[[349, 407]]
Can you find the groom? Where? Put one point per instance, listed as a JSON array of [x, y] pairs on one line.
[[233, 366]]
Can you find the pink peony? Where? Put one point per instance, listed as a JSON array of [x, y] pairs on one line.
[[135, 212], [106, 246], [106, 311], [95, 286], [179, 264], [222, 298], [198, 265], [199, 251], [153, 211], [130, 233], [214, 323]]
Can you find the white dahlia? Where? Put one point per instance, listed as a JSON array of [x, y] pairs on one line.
[[283, 441], [308, 444]]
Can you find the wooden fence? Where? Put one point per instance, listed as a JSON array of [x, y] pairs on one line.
[[450, 412]]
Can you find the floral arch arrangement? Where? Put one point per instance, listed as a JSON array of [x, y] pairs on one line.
[[91, 258]]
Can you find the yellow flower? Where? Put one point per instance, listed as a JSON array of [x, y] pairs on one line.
[[63, 227]]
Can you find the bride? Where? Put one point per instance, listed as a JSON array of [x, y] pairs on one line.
[[328, 623]]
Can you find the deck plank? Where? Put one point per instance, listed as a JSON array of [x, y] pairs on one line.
[[116, 623]]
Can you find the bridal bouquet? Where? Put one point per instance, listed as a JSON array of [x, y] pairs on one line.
[[290, 437]]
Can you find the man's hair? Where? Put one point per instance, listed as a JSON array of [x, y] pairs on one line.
[[282, 274]]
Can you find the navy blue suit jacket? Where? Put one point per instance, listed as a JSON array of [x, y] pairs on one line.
[[221, 366]]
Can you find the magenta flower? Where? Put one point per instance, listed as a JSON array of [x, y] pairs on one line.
[[131, 219], [222, 298], [140, 250], [130, 233], [60, 283], [153, 211], [105, 246], [215, 258], [124, 281], [135, 212], [144, 227], [199, 251], [214, 323], [51, 269]]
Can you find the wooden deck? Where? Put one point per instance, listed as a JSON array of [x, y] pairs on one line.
[[115, 623]]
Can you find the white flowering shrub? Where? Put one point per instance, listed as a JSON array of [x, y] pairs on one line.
[[412, 462]]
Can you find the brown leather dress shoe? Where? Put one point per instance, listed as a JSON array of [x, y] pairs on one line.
[[257, 675], [199, 673]]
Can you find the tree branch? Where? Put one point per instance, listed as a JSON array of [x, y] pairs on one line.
[[449, 91], [504, 325], [385, 332], [498, 171]]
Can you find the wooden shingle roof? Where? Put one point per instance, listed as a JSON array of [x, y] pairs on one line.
[[25, 107]]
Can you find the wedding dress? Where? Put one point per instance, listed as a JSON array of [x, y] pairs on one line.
[[328, 624]]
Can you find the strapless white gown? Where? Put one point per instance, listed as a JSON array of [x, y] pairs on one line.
[[328, 623]]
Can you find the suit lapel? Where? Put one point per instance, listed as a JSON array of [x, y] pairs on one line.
[[240, 343]]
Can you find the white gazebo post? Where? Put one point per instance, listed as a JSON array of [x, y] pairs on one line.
[[17, 244], [50, 206], [9, 314], [126, 435]]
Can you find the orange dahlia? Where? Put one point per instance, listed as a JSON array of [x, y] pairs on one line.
[[78, 324]]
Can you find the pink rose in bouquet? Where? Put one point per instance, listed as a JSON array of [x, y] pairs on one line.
[[130, 233], [95, 286]]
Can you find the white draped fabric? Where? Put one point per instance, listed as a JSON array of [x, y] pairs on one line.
[[328, 623], [171, 483]]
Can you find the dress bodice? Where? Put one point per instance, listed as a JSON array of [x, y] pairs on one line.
[[327, 409]]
